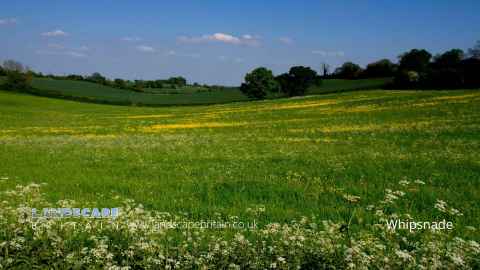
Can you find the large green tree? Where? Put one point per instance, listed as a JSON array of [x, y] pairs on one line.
[[349, 71], [301, 79], [259, 83], [380, 69], [449, 59], [415, 60], [18, 81]]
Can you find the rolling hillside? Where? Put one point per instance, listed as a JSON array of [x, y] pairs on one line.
[[225, 158]]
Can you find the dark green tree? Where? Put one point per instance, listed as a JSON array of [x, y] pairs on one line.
[[380, 69], [119, 83], [178, 81], [259, 83], [97, 78], [18, 81], [301, 78], [75, 77], [348, 71], [471, 72], [285, 82], [415, 60], [449, 59]]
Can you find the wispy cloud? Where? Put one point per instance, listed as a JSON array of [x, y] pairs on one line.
[[175, 53], [75, 54], [131, 39], [224, 58], [238, 60], [59, 49], [286, 40], [248, 40], [145, 48], [83, 48], [56, 46], [62, 53], [329, 53], [7, 21], [55, 33]]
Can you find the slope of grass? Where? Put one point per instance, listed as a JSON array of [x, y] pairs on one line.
[[296, 157], [91, 92]]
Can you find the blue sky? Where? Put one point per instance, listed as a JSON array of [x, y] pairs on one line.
[[217, 42]]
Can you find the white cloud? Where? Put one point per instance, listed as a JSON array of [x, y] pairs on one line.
[[55, 33], [145, 48], [248, 40], [131, 39], [286, 40], [329, 53], [7, 21]]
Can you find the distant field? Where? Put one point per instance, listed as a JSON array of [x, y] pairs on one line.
[[86, 91], [336, 85], [190, 95]]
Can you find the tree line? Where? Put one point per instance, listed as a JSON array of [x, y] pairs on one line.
[[19, 77], [416, 69], [135, 85]]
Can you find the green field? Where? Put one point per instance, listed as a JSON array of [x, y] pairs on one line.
[[289, 155], [338, 85], [92, 92], [190, 95]]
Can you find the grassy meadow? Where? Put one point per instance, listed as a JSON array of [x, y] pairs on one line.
[[296, 157]]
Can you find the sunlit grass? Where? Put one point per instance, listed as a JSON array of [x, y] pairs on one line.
[[225, 158]]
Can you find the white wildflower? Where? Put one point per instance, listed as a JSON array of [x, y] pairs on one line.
[[403, 255]]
